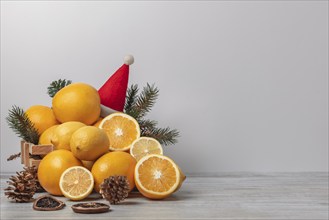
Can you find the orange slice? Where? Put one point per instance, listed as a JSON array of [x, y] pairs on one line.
[[157, 176], [144, 146], [122, 130], [76, 183]]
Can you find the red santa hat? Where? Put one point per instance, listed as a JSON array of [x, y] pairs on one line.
[[113, 92]]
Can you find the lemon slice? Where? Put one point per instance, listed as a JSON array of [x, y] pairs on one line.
[[157, 176], [144, 146], [121, 129], [76, 183]]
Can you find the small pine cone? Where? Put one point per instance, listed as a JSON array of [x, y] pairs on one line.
[[115, 189], [21, 187]]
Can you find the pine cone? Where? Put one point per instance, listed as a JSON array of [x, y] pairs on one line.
[[34, 171], [21, 187], [115, 189]]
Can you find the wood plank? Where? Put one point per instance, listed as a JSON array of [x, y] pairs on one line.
[[225, 196], [25, 154], [22, 149], [40, 149]]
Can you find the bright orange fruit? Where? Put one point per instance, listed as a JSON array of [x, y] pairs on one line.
[[157, 176], [111, 164], [121, 129], [42, 117], [77, 102], [51, 168]]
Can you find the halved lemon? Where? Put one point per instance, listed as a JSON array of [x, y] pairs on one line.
[[76, 183], [157, 176], [144, 146], [121, 129]]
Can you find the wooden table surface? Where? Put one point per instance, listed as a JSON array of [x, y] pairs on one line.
[[221, 196]]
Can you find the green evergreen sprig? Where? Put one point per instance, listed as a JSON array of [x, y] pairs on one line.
[[131, 99], [147, 125], [165, 136], [138, 106], [141, 104], [57, 85], [22, 125]]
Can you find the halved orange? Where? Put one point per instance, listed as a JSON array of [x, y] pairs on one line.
[[157, 176], [122, 130], [76, 183], [144, 146]]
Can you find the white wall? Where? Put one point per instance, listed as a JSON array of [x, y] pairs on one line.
[[246, 82]]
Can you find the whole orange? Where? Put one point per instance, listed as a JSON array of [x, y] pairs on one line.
[[51, 168], [114, 163], [42, 117], [77, 102]]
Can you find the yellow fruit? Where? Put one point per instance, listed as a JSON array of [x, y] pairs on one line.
[[42, 117], [157, 176], [144, 146], [51, 168], [76, 183], [114, 163], [121, 129], [47, 135], [62, 134], [89, 143], [77, 102], [98, 122], [88, 164]]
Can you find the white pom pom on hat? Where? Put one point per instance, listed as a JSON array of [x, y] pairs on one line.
[[128, 59]]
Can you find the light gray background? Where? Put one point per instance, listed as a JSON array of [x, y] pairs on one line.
[[246, 82]]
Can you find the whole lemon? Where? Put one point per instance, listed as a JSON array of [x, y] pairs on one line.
[[47, 135], [77, 102], [62, 134], [51, 168], [42, 117], [114, 163], [89, 143]]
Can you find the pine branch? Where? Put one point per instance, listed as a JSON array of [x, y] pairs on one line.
[[57, 85], [145, 101], [14, 156], [138, 106], [147, 124], [21, 125], [165, 136], [131, 98]]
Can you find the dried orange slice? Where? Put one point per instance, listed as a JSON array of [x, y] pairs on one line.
[[157, 176], [76, 183], [144, 146], [122, 130]]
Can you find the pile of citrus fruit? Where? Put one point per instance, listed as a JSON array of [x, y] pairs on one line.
[[89, 149]]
